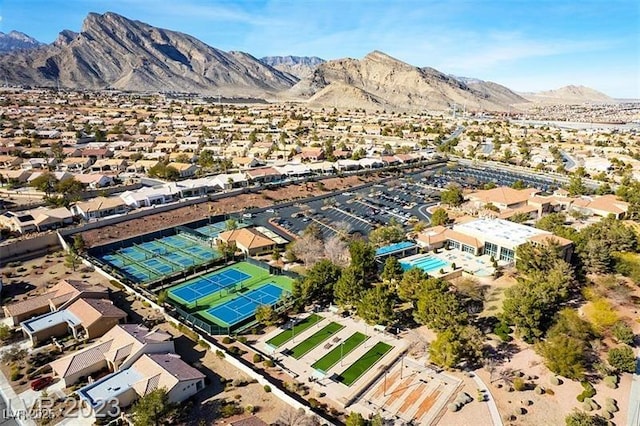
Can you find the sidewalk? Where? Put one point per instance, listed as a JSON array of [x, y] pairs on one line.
[[493, 408], [633, 416]]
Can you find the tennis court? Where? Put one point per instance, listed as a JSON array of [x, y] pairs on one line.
[[364, 363], [239, 309], [339, 352], [287, 335], [315, 340], [206, 285], [151, 260]]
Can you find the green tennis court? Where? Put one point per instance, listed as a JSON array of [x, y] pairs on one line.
[[314, 340], [364, 363], [287, 335], [339, 352]]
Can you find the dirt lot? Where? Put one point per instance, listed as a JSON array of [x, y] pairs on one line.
[[191, 213]]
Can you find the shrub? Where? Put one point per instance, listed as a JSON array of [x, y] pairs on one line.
[[556, 381], [539, 390], [622, 359], [234, 350], [453, 407], [549, 392], [229, 409], [588, 392], [249, 409], [611, 382], [268, 363], [611, 405], [622, 332], [586, 405], [226, 340], [242, 339], [313, 403], [502, 330], [519, 384], [219, 354], [257, 358], [267, 388]]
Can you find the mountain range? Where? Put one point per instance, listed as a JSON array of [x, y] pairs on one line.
[[16, 40], [112, 51]]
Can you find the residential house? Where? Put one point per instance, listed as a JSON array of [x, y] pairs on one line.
[[34, 220], [148, 373], [117, 349], [83, 318], [94, 180], [502, 197], [146, 197], [55, 297], [263, 175], [99, 207], [111, 165], [186, 170]]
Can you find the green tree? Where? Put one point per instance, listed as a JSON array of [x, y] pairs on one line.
[[231, 224], [392, 271], [388, 234], [412, 282], [355, 419], [153, 408], [518, 184], [318, 284], [46, 183], [266, 315], [520, 217], [452, 196], [439, 309], [376, 306], [349, 288], [457, 345], [363, 259], [439, 217], [71, 259], [228, 249], [5, 333], [78, 243], [576, 186], [564, 355], [622, 359]]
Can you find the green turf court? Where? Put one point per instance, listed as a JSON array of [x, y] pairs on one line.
[[339, 352], [287, 335], [364, 363], [315, 340]]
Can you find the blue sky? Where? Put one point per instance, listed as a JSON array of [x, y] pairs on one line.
[[527, 45]]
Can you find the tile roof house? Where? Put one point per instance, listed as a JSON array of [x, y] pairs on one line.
[[148, 373], [118, 348], [62, 292], [38, 219], [248, 240], [99, 207], [84, 318]]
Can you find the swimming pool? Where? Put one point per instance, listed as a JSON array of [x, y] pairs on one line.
[[427, 263]]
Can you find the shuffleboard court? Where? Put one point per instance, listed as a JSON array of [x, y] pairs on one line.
[[364, 363], [287, 335], [208, 284], [241, 308], [339, 352], [315, 340]]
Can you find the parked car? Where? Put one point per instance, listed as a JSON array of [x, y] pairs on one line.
[[41, 383]]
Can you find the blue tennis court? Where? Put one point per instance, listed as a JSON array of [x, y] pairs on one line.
[[133, 253], [157, 265], [244, 306], [208, 284]]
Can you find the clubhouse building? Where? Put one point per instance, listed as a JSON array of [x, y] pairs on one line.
[[497, 238]]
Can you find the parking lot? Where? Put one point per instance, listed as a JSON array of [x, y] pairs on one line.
[[357, 212], [475, 177], [401, 201]]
